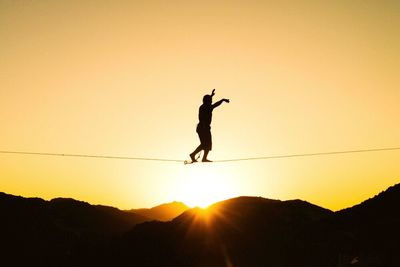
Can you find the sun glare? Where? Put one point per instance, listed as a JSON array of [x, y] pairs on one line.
[[203, 184]]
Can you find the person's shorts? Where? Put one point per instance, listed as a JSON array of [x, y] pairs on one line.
[[204, 133]]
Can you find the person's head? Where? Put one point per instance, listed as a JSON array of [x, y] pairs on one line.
[[207, 99]]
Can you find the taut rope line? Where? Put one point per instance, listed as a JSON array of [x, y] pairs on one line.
[[180, 160]]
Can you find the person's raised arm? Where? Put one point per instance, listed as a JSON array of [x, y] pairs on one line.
[[216, 104]]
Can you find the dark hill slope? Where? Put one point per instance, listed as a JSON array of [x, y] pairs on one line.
[[164, 212], [81, 217], [245, 231], [249, 231], [369, 231], [39, 232]]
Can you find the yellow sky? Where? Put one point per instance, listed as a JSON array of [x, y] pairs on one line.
[[127, 77]]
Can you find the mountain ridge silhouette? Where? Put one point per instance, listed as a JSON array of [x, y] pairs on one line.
[[253, 231], [163, 212], [243, 231]]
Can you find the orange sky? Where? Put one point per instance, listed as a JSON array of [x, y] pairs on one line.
[[126, 78]]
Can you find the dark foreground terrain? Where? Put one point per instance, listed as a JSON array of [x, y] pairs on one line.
[[244, 231]]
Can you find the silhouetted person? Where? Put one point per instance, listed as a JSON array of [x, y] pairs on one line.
[[203, 128]]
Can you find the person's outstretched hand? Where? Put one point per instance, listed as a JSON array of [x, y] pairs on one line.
[[213, 92], [226, 100]]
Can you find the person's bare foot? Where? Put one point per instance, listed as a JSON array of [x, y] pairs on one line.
[[206, 160], [193, 158]]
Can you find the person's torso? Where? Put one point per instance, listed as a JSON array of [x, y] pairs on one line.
[[205, 114]]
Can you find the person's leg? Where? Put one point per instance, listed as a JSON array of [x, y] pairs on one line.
[[205, 156], [207, 145], [200, 147], [193, 154]]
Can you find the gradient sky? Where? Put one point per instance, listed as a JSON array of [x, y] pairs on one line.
[[126, 78]]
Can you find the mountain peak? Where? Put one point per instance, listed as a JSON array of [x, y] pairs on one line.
[[163, 212], [381, 206]]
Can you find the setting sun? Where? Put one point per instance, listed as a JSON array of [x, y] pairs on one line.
[[204, 184]]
